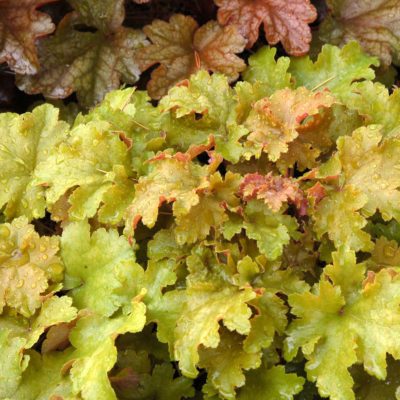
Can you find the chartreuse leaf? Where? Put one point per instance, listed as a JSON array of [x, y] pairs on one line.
[[339, 216], [43, 378], [165, 387], [100, 268], [89, 63], [82, 370], [25, 142], [267, 73], [375, 104], [162, 384], [344, 320], [271, 230], [386, 253], [30, 272], [335, 69], [225, 364], [207, 304], [372, 166], [18, 334], [271, 384], [94, 161], [29, 267], [95, 354], [269, 319], [190, 318], [212, 97], [135, 120]]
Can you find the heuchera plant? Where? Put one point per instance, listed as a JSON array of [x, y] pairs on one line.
[[232, 242]]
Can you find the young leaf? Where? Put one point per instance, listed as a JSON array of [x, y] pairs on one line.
[[345, 320], [271, 230], [372, 165], [283, 22], [374, 24], [100, 268], [28, 266], [226, 363], [375, 104], [20, 25], [18, 334], [338, 215], [92, 175], [335, 69], [94, 340], [181, 48], [212, 97], [173, 179], [209, 212], [271, 384], [25, 142], [273, 190]]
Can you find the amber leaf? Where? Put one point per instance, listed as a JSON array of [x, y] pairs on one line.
[[182, 48]]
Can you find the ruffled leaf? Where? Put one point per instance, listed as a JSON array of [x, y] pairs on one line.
[[374, 24], [20, 25], [283, 22], [89, 63], [100, 268], [274, 122], [25, 142], [29, 266], [182, 48], [345, 320]]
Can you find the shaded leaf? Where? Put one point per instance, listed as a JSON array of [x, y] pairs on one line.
[[374, 24], [89, 63], [20, 25]]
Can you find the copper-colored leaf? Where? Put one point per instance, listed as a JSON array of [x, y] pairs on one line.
[[273, 190], [181, 48], [374, 24], [284, 21], [20, 25], [90, 63]]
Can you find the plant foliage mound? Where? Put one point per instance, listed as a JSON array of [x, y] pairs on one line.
[[231, 242]]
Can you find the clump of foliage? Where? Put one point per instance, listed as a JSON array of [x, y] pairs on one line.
[[205, 238], [231, 242], [86, 48]]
